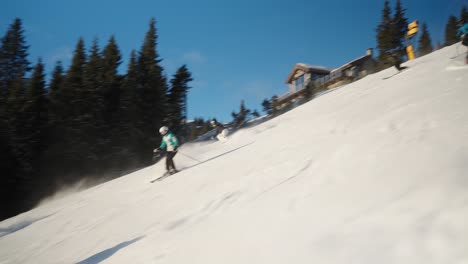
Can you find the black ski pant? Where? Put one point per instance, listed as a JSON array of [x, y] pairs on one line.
[[170, 160], [465, 43]]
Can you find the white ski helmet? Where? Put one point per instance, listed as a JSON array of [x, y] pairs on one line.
[[163, 130]]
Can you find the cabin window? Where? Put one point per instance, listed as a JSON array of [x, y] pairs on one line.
[[299, 82]]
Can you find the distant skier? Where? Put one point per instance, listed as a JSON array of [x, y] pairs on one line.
[[395, 59], [169, 143], [462, 33], [221, 131]]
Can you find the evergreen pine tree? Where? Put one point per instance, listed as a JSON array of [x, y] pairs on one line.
[[13, 58], [15, 182], [36, 107], [115, 153], [57, 78], [274, 105], [70, 147], [241, 117], [255, 114], [129, 133], [451, 31], [464, 14], [35, 128], [177, 100], [400, 25], [54, 96], [424, 44], [385, 36], [129, 100], [13, 68], [56, 105], [89, 121], [9, 201], [266, 104], [152, 89], [111, 80], [18, 182], [74, 82], [391, 34]]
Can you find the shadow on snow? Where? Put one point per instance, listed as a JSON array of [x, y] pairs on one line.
[[18, 226], [101, 256]]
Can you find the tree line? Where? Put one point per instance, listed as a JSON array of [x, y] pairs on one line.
[[87, 122]]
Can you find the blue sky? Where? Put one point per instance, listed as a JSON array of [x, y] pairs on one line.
[[236, 50]]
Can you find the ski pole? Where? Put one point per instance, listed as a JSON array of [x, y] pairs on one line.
[[189, 156]]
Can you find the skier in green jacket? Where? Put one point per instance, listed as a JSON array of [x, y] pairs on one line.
[[170, 143], [462, 33]]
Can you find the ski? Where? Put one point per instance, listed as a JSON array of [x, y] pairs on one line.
[[388, 77], [398, 72], [165, 175]]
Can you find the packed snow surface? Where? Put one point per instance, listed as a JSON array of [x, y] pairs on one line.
[[373, 172]]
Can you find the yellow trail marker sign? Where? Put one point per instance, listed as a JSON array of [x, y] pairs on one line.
[[412, 29]]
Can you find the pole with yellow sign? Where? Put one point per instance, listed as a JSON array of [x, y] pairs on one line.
[[412, 30]]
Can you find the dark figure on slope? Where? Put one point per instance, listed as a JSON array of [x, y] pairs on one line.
[[221, 131], [395, 59], [169, 143]]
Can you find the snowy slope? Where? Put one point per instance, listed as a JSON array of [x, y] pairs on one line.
[[373, 172]]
